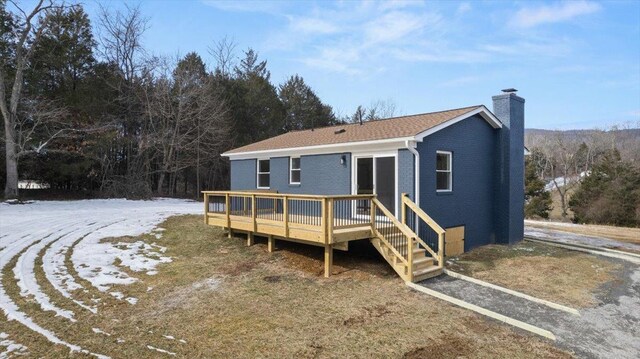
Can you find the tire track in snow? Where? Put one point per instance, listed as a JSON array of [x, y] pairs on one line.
[[25, 272], [56, 270], [26, 225], [9, 307]]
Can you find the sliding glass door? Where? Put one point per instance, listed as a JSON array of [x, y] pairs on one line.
[[376, 175]]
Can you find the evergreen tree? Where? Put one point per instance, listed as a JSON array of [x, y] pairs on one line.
[[609, 195], [537, 200], [256, 110], [303, 107]]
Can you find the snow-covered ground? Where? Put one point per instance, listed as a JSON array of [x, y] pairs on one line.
[[58, 231]]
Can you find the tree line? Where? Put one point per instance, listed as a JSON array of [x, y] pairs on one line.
[[99, 114], [595, 174]]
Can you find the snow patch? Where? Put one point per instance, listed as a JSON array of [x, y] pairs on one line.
[[10, 347], [100, 331], [131, 300], [207, 284], [161, 350]]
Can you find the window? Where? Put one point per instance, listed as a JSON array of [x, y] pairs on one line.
[[294, 170], [444, 182], [264, 172]]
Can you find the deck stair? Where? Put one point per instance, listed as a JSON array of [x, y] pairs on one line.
[[392, 238]]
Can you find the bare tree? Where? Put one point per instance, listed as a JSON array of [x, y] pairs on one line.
[[381, 109], [120, 40], [560, 154], [185, 120], [224, 52], [27, 34], [125, 166]]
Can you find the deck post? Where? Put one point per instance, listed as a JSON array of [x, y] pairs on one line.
[[441, 249], [250, 240], [227, 211], [253, 212], [403, 211], [323, 220], [206, 208], [285, 215], [328, 260], [410, 258], [271, 243], [329, 237], [372, 207]]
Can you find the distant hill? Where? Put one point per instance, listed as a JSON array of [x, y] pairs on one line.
[[627, 141]]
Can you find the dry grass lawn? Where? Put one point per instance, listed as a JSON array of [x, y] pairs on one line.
[[221, 299], [555, 274]]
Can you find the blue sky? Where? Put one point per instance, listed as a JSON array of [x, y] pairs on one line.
[[577, 63]]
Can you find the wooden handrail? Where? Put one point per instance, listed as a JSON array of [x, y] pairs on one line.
[[425, 217], [434, 226], [401, 226]]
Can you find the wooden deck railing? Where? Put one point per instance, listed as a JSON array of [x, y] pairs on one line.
[[412, 219], [314, 218]]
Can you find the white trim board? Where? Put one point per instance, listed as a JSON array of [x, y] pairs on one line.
[[482, 111], [491, 314], [343, 147], [512, 292]]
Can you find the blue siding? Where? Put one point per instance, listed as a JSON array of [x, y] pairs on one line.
[[243, 174], [472, 142], [319, 174]]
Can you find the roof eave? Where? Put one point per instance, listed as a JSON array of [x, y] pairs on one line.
[[396, 142]]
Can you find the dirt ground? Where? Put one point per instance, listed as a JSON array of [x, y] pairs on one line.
[[219, 298], [555, 274]]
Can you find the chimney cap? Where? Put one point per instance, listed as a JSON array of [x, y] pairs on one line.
[[510, 90]]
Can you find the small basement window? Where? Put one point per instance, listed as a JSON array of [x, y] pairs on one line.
[[264, 172], [294, 170], [444, 175]]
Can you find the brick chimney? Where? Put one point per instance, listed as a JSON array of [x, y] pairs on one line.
[[509, 216]]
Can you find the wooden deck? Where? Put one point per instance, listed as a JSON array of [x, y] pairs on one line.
[[330, 222]]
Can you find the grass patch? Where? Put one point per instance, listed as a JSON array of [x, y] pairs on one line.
[[555, 274], [220, 298]]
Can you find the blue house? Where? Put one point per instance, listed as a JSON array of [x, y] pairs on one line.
[[459, 170]]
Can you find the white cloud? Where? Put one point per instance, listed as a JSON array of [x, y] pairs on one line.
[[246, 5], [463, 8], [395, 26], [559, 12], [399, 4], [461, 81], [309, 25]]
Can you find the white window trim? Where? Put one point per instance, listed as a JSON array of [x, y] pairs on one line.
[[291, 169], [450, 171], [258, 173]]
